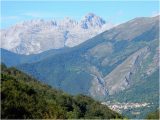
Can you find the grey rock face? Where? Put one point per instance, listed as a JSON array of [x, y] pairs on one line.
[[36, 36], [120, 77], [98, 84]]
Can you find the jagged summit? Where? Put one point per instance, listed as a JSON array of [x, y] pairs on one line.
[[88, 21], [91, 20], [38, 35]]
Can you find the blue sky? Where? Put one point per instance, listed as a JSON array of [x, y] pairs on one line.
[[112, 11]]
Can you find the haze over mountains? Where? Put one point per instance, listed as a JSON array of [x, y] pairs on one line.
[[121, 61], [36, 36]]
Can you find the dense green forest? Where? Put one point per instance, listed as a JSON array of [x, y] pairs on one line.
[[153, 115], [24, 97]]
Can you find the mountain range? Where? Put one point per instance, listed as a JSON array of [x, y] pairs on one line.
[[36, 36], [118, 62]]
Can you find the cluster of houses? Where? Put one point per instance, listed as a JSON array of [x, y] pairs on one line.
[[119, 107]]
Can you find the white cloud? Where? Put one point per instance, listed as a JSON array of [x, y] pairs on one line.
[[33, 14], [38, 14], [3, 18], [155, 13], [120, 13]]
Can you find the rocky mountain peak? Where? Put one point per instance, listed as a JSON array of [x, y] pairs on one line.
[[68, 22], [91, 20], [38, 35]]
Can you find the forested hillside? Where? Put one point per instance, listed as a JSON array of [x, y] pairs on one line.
[[153, 115], [24, 97]]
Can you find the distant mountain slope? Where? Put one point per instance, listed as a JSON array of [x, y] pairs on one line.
[[142, 28], [23, 97], [36, 36], [13, 59], [91, 66]]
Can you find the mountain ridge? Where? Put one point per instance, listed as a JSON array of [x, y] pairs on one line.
[[85, 55], [28, 37]]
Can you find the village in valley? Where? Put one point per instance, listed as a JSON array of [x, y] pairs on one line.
[[120, 107]]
